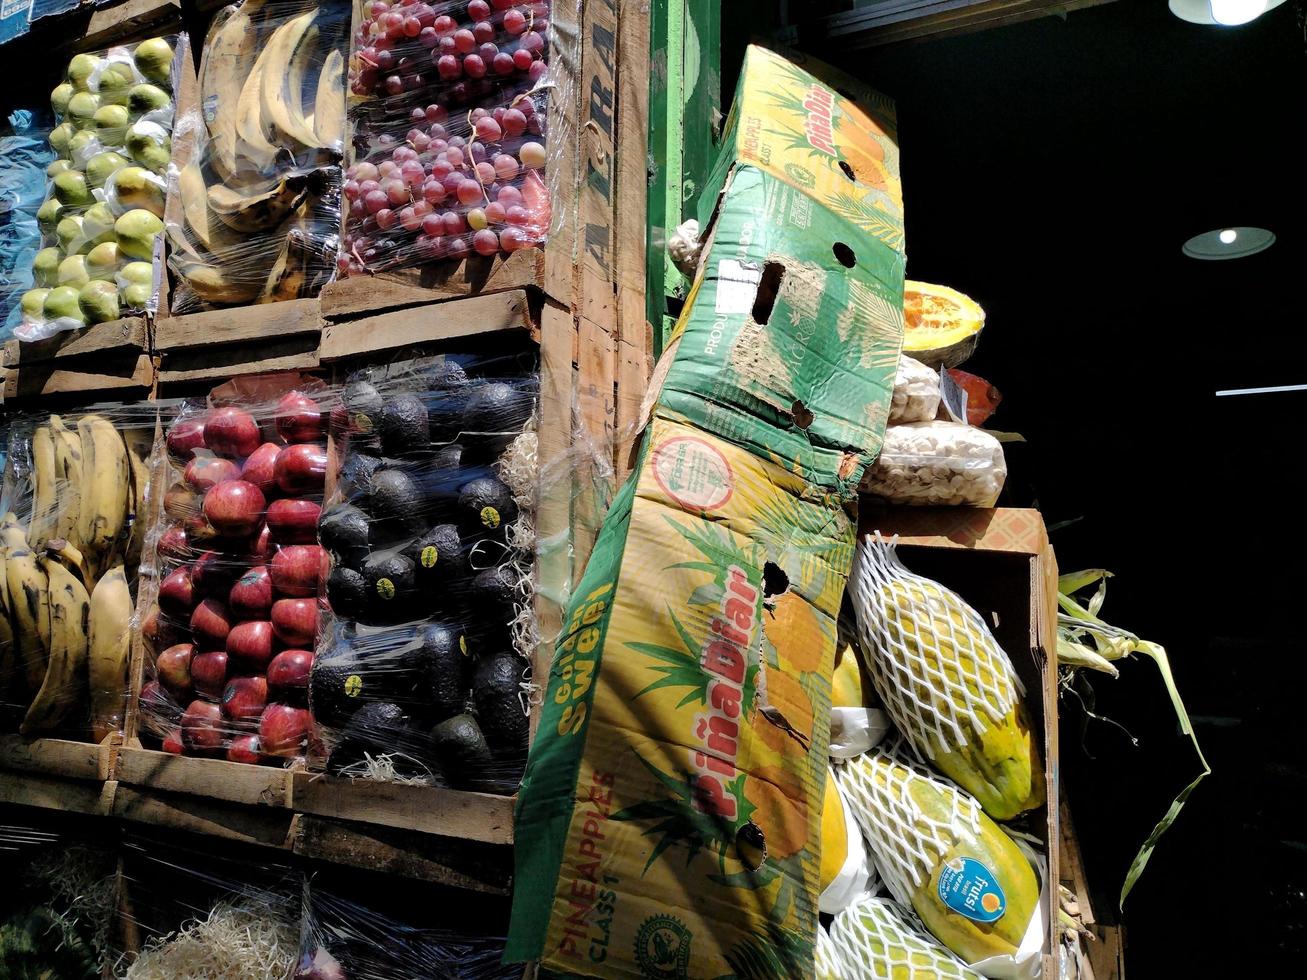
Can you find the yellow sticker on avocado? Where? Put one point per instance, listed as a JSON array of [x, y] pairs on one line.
[[462, 644], [430, 555], [353, 685], [490, 517], [362, 422], [385, 588]]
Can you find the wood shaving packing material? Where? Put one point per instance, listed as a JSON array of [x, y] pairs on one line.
[[232, 942]]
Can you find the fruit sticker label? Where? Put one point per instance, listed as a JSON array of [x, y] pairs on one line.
[[971, 889], [353, 685], [490, 517], [385, 588], [430, 555]]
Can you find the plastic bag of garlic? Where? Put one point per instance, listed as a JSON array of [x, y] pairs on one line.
[[937, 464], [916, 392]]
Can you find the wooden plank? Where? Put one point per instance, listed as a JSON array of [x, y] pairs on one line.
[[220, 363], [60, 757], [261, 786], [125, 377], [473, 275], [563, 175], [52, 793], [407, 327], [242, 324], [457, 863], [596, 299], [128, 334], [427, 809], [130, 20], [594, 399], [269, 826]]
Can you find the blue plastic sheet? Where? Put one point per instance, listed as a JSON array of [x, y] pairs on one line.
[[23, 159]]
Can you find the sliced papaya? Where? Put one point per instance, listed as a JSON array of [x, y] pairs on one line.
[[941, 326]]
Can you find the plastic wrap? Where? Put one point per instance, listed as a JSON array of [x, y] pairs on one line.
[[24, 155], [916, 392], [231, 618], [937, 463], [77, 488], [259, 186], [449, 112], [422, 671], [102, 216]]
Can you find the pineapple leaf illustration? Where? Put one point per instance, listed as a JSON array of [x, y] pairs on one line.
[[680, 668], [779, 954]]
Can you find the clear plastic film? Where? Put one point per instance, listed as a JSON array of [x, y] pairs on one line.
[[937, 463], [423, 667], [103, 214], [459, 114], [76, 488], [24, 155], [257, 175], [230, 617], [916, 392]]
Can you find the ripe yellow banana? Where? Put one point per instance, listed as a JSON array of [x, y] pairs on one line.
[[267, 209], [211, 284], [68, 479], [329, 106], [289, 52], [253, 146], [109, 643], [105, 492], [230, 52], [29, 604], [139, 441], [9, 673], [64, 685], [44, 486]]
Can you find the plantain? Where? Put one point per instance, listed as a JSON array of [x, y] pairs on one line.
[[291, 273], [290, 50], [329, 105], [8, 641], [212, 284], [230, 53], [253, 126], [266, 209], [109, 642], [29, 603], [65, 683], [44, 486], [105, 492], [68, 479], [139, 441]]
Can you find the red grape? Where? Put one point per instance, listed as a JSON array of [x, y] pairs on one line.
[[351, 189], [537, 71], [514, 22], [485, 172], [487, 52], [375, 201], [522, 59], [517, 215], [512, 238], [366, 187], [453, 223], [444, 25], [441, 169], [394, 85], [489, 130], [425, 15], [428, 37], [412, 173], [514, 122], [436, 115], [508, 196], [446, 46], [421, 141], [454, 156], [376, 8], [506, 167], [433, 191], [503, 4], [395, 191], [403, 153], [469, 192], [448, 67], [478, 9], [464, 42], [412, 27], [417, 115], [495, 213], [410, 219], [474, 66], [457, 248], [433, 225], [486, 242], [483, 31], [532, 41]]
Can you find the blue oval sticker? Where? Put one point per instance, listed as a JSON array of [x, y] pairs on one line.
[[971, 889]]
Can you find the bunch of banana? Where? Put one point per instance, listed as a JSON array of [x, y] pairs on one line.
[[272, 91], [65, 602]]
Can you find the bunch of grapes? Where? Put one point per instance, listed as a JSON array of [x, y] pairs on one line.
[[467, 175]]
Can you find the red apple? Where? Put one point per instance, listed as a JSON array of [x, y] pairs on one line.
[[204, 472], [244, 748], [260, 468], [250, 643], [299, 419], [210, 624], [213, 573], [172, 742], [154, 632], [234, 508], [173, 669], [294, 520], [185, 437], [251, 596], [181, 503], [231, 432], [302, 468], [176, 593], [244, 698], [288, 674], [202, 726], [261, 550], [295, 621], [173, 543], [284, 730], [297, 568], [209, 673]]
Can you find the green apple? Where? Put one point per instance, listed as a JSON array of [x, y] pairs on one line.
[[62, 302], [70, 189], [99, 301], [80, 69], [136, 232], [82, 107], [97, 224], [59, 98], [136, 297], [33, 303], [49, 214], [102, 261], [115, 81], [136, 187], [61, 136], [154, 60], [103, 165], [111, 124], [72, 271], [81, 144], [69, 233], [146, 98], [149, 145], [58, 167], [45, 267], [137, 274]]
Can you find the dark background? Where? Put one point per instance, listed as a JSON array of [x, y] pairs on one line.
[[1052, 170]]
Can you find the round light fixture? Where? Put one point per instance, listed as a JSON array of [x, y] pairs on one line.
[[1222, 13], [1228, 243]]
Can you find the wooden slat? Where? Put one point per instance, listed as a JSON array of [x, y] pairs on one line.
[[219, 363], [60, 757], [422, 324], [263, 786], [598, 88], [123, 377], [260, 324], [128, 334], [595, 370], [476, 274], [51, 793], [179, 811], [131, 20], [427, 809]]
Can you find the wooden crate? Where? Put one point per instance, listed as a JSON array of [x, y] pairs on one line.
[[60, 757], [108, 359], [113, 22], [206, 348]]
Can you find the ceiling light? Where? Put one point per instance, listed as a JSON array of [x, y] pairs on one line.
[[1228, 243], [1274, 390], [1222, 13]]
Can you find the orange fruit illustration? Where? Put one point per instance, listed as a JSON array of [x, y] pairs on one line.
[[781, 810]]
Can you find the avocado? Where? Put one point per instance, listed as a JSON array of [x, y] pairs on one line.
[[347, 591], [363, 406], [438, 558], [389, 583], [491, 600], [356, 478], [462, 752], [343, 531], [338, 685], [445, 413], [497, 693], [448, 457], [443, 667], [498, 675], [381, 728], [399, 505], [485, 508], [403, 425], [447, 375], [495, 414]]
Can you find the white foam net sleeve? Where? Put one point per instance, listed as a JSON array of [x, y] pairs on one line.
[[876, 940], [916, 392], [942, 676], [909, 818], [937, 463], [826, 960]]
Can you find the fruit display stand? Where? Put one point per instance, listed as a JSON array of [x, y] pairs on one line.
[[110, 359]]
